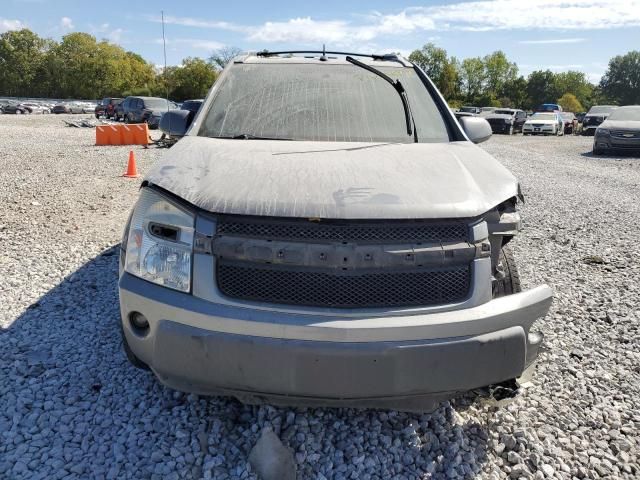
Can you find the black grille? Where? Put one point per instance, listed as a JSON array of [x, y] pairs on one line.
[[413, 232], [272, 284], [624, 133], [591, 121]]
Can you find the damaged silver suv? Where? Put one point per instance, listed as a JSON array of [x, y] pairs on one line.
[[326, 233]]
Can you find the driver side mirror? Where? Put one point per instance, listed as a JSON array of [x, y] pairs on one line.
[[477, 129], [175, 123]]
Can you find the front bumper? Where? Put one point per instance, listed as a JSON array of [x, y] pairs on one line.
[[607, 143], [545, 130], [404, 362], [501, 127]]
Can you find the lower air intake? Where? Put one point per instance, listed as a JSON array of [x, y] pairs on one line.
[[343, 289]]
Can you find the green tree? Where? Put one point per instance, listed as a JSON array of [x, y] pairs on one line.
[[440, 69], [192, 79], [472, 77], [576, 83], [541, 88], [498, 71], [621, 82], [81, 67], [22, 54], [514, 93], [570, 103]]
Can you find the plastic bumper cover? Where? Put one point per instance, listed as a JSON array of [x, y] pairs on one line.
[[395, 372]]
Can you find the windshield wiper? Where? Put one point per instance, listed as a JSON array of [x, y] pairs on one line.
[[249, 136], [411, 130]]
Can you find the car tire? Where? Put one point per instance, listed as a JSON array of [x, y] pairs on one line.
[[133, 360], [510, 282], [597, 152]]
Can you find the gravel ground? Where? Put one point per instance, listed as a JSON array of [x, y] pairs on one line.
[[72, 407]]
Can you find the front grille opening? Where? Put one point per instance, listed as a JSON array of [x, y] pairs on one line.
[[311, 287]]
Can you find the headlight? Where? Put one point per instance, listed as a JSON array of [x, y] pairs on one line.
[[160, 242], [602, 131]]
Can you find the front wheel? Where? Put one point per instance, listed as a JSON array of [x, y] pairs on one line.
[[507, 277]]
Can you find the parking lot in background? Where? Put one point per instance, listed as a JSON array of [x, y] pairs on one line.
[[73, 407]]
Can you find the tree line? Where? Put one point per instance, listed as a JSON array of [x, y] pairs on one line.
[[80, 66], [493, 80]]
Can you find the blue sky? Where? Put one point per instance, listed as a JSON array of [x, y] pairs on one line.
[[537, 34]]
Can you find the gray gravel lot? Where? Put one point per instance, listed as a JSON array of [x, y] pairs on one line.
[[72, 407]]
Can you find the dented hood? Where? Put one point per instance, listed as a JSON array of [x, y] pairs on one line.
[[341, 180]]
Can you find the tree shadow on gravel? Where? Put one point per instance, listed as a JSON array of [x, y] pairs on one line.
[[72, 406]]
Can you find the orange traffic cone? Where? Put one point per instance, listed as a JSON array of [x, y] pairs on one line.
[[132, 170]]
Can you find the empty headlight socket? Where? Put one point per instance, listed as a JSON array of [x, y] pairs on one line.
[[165, 232]]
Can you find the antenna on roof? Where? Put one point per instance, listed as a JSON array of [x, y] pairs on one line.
[[164, 49], [323, 58]]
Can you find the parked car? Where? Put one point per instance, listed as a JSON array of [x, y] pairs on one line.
[[36, 107], [570, 123], [118, 111], [107, 107], [69, 108], [543, 123], [506, 120], [145, 110], [620, 132], [459, 114], [297, 248], [484, 111], [469, 109], [192, 105], [595, 116], [549, 107], [15, 108], [61, 108]]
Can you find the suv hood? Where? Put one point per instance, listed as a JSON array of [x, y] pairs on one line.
[[620, 124], [339, 180], [503, 116]]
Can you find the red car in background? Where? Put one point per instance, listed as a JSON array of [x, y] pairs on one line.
[[107, 107]]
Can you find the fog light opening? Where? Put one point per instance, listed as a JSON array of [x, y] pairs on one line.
[[139, 322], [535, 338]]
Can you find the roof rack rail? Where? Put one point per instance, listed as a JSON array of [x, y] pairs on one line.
[[391, 57]]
